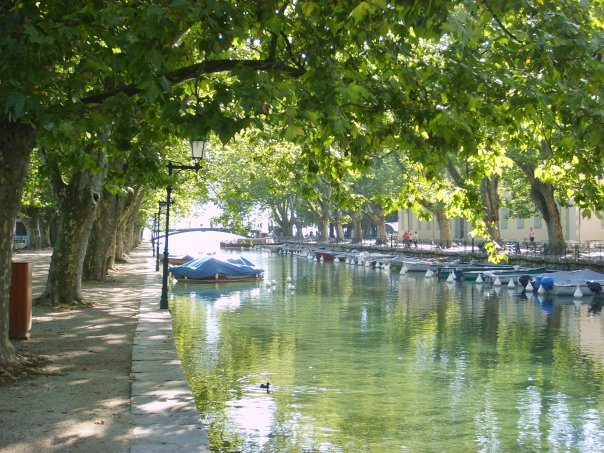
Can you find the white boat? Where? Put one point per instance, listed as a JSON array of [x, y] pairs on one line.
[[371, 259], [421, 265], [570, 283]]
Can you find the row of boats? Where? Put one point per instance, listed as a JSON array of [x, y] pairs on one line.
[[577, 283]]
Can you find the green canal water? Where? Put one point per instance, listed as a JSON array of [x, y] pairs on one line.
[[364, 360]]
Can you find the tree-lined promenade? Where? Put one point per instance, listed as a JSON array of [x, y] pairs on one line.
[[321, 112]]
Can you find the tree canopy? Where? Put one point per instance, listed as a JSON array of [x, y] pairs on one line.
[[105, 90]]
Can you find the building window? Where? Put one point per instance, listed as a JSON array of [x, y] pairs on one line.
[[539, 223], [520, 224], [504, 219]]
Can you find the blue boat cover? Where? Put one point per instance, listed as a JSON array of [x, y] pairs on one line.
[[209, 266]]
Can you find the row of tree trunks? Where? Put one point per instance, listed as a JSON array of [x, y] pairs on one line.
[[30, 216], [38, 222], [127, 232], [102, 239], [77, 202], [48, 226], [16, 144], [113, 232]]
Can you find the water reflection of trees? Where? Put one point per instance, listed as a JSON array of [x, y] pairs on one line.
[[459, 355]]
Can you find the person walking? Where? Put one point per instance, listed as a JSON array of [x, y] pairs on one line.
[[407, 239], [531, 235]]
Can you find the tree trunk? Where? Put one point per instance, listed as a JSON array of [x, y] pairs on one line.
[[489, 196], [490, 199], [543, 196], [31, 216], [16, 143], [299, 227], [446, 237], [323, 229], [339, 225], [96, 261], [376, 214], [127, 223], [324, 213], [48, 220], [357, 229], [283, 219], [77, 203]]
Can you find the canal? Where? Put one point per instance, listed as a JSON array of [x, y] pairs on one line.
[[364, 360]]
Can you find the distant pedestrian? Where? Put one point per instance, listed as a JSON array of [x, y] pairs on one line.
[[532, 235], [407, 239], [414, 237]]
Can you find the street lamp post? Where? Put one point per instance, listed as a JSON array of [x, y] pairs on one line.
[[153, 233], [161, 204], [198, 148]]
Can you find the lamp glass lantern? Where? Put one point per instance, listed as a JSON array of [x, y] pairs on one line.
[[198, 149]]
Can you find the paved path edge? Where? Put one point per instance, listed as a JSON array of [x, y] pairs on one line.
[[162, 406]]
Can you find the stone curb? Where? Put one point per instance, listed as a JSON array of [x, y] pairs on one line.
[[162, 406]]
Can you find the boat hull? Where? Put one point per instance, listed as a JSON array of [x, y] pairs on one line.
[[322, 255], [219, 278], [505, 276], [565, 283], [471, 273]]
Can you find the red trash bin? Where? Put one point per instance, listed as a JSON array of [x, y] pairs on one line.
[[19, 309]]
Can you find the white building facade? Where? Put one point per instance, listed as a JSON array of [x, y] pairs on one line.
[[575, 228]]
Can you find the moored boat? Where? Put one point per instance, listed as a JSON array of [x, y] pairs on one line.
[[371, 259], [246, 243], [569, 283], [324, 255], [417, 265], [182, 260], [504, 276], [212, 269], [276, 247], [471, 272]]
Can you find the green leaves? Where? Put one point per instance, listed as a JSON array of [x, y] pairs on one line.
[[15, 106], [356, 77], [361, 10]]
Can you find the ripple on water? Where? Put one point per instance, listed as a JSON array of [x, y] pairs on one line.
[[367, 362]]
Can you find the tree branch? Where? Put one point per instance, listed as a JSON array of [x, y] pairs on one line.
[[505, 30], [57, 186], [454, 173], [187, 73], [272, 52]]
